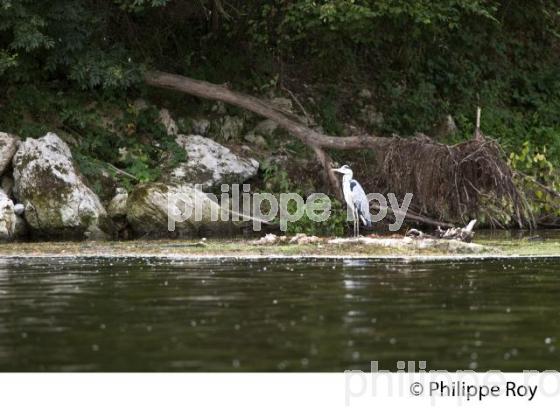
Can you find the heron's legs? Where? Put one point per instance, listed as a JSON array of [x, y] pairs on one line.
[[353, 223], [356, 223]]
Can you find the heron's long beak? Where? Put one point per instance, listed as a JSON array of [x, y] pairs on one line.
[[337, 170]]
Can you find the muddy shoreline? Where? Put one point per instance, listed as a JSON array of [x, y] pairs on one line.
[[245, 249]]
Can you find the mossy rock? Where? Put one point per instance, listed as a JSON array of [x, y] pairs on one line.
[[158, 210], [58, 204]]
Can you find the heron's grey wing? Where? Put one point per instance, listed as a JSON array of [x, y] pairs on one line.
[[360, 201]]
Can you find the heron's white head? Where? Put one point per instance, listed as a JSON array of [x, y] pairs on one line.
[[345, 170]]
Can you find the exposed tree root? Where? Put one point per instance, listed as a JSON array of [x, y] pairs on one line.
[[453, 183]]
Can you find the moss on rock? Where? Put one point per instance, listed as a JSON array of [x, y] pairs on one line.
[[57, 202]]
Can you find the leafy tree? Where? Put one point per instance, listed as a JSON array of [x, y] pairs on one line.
[[422, 57]]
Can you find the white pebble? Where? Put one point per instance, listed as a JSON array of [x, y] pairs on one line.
[[19, 209]]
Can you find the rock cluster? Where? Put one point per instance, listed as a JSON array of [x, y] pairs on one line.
[[43, 194], [12, 225]]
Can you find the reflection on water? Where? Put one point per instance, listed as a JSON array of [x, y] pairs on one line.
[[152, 315]]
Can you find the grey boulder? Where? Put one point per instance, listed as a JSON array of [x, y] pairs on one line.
[[57, 201], [8, 147], [161, 210], [211, 164]]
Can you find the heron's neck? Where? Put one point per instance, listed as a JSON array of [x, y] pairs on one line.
[[346, 178]]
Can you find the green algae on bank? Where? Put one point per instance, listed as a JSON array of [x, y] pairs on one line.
[[246, 248], [525, 247]]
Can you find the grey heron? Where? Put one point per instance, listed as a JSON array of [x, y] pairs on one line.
[[355, 198]]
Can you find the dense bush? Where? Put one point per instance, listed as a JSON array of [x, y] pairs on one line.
[[421, 57]]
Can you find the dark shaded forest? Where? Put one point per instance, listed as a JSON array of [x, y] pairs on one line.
[[412, 72]]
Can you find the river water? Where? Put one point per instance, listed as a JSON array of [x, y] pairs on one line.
[[134, 314]]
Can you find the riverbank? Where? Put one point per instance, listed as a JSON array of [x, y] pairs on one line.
[[242, 248]]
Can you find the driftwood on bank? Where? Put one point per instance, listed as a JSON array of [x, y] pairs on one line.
[[465, 234], [413, 216], [449, 182]]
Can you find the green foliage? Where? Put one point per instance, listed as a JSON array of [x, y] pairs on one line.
[[329, 114], [335, 225], [6, 61], [46, 38], [359, 20], [539, 177], [140, 5], [277, 180], [99, 131]]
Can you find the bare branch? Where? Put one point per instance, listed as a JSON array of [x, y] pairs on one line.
[[308, 136]]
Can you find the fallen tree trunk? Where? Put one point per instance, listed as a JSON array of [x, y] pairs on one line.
[[317, 141], [216, 92], [446, 180]]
